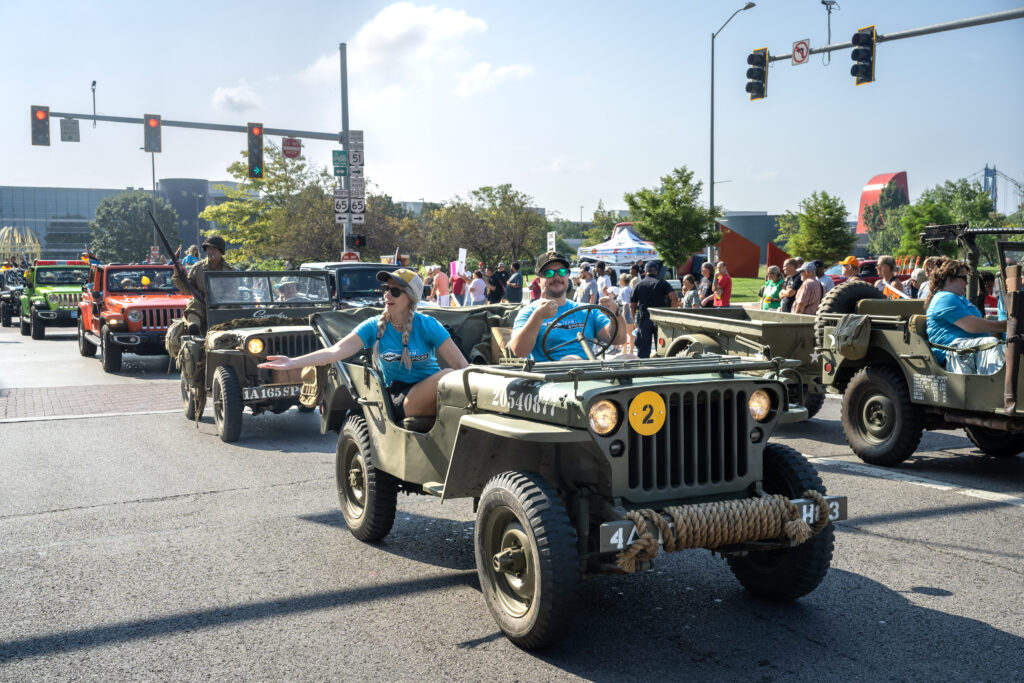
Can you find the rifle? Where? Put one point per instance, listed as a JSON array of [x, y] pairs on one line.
[[178, 268]]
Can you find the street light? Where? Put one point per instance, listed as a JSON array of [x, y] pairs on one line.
[[711, 184]]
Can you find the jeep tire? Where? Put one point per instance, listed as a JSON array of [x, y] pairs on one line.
[[26, 326], [526, 558], [368, 496], [227, 403], [813, 401], [37, 328], [193, 400], [5, 315], [788, 573], [110, 353], [85, 347], [995, 441], [881, 424]]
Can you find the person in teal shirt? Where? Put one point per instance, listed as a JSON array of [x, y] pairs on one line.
[[770, 298], [405, 344], [955, 322]]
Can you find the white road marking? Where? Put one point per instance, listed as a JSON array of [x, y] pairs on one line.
[[892, 475], [47, 418]]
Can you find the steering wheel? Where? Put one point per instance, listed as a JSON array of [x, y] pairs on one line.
[[584, 341]]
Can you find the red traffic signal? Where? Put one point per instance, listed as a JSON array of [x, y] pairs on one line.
[[255, 135], [40, 125], [151, 133]]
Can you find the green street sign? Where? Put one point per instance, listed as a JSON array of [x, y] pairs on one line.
[[340, 171], [340, 157]]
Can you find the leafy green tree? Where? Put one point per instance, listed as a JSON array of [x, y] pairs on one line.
[[288, 214], [890, 237], [509, 219], [819, 230], [672, 217], [922, 213], [601, 226], [885, 212], [122, 230]]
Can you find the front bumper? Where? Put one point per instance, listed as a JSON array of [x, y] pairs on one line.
[[57, 318]]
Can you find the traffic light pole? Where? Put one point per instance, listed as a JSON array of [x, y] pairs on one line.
[[347, 228], [286, 132], [914, 32]]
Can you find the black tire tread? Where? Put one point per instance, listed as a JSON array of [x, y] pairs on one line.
[[37, 328], [842, 298], [85, 347], [994, 442], [556, 545], [810, 560], [26, 327], [381, 488], [230, 426], [907, 440], [814, 403], [110, 354]]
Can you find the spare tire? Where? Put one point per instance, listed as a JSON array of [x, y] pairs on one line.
[[842, 298]]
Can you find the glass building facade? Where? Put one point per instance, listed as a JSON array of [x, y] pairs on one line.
[[60, 216]]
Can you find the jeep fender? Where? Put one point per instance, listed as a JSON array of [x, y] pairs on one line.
[[474, 459]]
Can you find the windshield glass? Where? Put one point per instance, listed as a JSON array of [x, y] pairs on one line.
[[284, 289], [837, 269], [358, 280], [141, 279], [62, 276]]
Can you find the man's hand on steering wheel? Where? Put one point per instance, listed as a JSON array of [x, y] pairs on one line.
[[601, 345]]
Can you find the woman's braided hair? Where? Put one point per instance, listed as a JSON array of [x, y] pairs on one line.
[[946, 269], [382, 324]]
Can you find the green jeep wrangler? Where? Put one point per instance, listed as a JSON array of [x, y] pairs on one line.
[[51, 295], [583, 468], [877, 353]]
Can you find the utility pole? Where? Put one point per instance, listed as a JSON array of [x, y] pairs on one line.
[[345, 183]]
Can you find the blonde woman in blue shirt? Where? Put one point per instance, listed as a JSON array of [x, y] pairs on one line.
[[405, 345]]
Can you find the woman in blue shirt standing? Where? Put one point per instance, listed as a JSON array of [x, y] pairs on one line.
[[955, 322], [405, 347]]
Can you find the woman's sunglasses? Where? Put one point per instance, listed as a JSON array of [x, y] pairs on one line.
[[551, 272], [394, 291]]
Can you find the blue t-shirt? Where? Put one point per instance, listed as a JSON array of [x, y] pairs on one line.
[[566, 330], [426, 336], [943, 311]]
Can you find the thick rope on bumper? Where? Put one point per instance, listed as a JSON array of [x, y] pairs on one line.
[[718, 524]]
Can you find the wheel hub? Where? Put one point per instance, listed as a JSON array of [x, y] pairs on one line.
[[510, 561], [878, 417], [355, 480]]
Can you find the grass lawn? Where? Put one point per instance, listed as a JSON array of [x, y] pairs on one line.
[[745, 289]]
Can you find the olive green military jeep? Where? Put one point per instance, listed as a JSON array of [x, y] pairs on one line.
[[248, 319], [583, 468], [876, 352]]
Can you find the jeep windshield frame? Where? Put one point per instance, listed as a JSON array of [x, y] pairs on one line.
[[129, 280], [60, 275], [260, 289], [359, 280]]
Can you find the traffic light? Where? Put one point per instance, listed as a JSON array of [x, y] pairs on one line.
[[255, 131], [40, 125], [864, 55], [151, 132], [358, 241], [757, 86]]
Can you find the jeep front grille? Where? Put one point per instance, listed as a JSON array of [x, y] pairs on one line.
[[703, 443], [291, 345], [160, 318], [68, 300]]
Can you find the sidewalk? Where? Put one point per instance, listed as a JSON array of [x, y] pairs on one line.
[[45, 402]]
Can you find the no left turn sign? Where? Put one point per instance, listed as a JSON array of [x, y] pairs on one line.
[[801, 51]]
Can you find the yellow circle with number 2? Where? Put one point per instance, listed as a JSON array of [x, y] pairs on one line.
[[647, 413]]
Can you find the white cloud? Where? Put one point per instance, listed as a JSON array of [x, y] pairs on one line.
[[400, 43], [560, 164], [484, 77], [238, 99]]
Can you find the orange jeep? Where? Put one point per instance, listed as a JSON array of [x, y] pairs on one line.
[[127, 308]]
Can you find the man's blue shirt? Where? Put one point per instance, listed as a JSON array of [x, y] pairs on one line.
[[565, 331]]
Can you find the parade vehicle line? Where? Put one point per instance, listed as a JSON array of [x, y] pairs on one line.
[[893, 475]]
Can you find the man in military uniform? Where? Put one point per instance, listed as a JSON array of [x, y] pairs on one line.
[[195, 311]]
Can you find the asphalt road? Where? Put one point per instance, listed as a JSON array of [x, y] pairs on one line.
[[138, 546]]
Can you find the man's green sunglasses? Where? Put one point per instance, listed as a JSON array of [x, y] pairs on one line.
[[551, 272]]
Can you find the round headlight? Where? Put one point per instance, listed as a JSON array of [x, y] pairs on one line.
[[603, 417], [134, 316], [760, 405], [52, 298], [255, 346]]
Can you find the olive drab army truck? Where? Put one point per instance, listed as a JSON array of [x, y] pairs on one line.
[[877, 353], [583, 468], [248, 319]]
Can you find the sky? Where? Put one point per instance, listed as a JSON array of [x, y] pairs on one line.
[[571, 102]]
